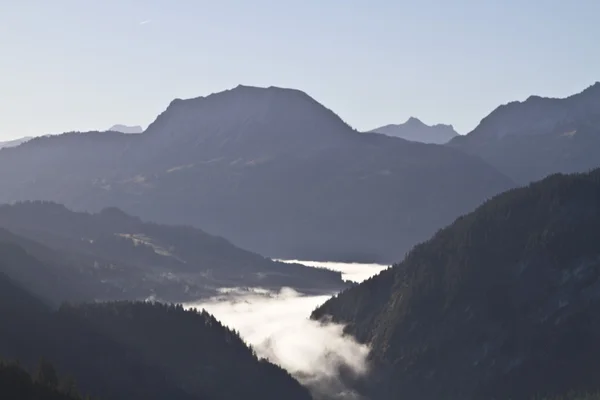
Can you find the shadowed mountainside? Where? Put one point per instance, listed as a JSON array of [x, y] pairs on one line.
[[270, 169], [110, 255], [537, 137], [135, 351], [503, 303]]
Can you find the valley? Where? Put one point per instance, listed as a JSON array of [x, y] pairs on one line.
[[275, 324], [490, 305], [299, 200]]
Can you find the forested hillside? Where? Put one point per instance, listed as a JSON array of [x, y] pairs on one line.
[[201, 354], [101, 366], [18, 384], [137, 351], [503, 303]]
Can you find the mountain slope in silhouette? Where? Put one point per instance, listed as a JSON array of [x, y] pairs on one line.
[[502, 304], [537, 137], [113, 256], [416, 131], [268, 168]]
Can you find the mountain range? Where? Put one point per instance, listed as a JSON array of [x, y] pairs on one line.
[[416, 131], [503, 303], [270, 169], [531, 139]]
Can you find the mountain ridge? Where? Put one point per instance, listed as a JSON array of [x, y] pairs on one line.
[[129, 129], [528, 140], [417, 131], [113, 256], [14, 142], [288, 111], [559, 105], [272, 170]]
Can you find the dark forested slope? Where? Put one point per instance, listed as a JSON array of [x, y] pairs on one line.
[[17, 384], [503, 303], [195, 348], [135, 351], [30, 331]]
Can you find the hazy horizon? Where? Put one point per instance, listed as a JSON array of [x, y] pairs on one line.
[[373, 63]]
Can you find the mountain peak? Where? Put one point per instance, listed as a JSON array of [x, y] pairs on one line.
[[592, 90], [243, 90], [250, 115], [417, 131], [266, 89], [539, 114], [594, 86], [414, 120]]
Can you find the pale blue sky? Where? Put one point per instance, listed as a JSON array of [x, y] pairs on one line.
[[89, 64]]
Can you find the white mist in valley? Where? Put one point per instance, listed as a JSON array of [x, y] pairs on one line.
[[355, 272], [278, 327]]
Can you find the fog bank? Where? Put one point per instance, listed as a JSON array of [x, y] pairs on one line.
[[355, 272], [278, 327]]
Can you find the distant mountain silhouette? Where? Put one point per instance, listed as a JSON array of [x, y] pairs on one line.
[[14, 142], [502, 304], [113, 256], [126, 129], [539, 136], [416, 131], [270, 169]]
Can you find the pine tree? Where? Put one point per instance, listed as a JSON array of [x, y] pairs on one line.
[[68, 386], [45, 374]]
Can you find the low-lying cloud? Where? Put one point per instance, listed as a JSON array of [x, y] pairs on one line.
[[355, 272], [277, 326]]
